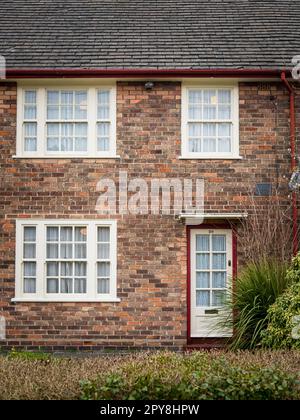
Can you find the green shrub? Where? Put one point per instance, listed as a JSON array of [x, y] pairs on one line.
[[256, 289], [28, 355], [278, 334], [281, 321], [193, 377]]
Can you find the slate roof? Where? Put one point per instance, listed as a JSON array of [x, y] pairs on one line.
[[163, 34]]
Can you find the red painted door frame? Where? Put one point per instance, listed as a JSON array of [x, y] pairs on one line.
[[234, 265]]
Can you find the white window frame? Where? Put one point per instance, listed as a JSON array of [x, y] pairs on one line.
[[41, 120], [41, 294], [185, 153]]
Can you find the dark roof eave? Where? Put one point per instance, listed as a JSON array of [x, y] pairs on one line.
[[42, 73]]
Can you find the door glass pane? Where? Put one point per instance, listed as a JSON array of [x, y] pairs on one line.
[[219, 280], [218, 298], [202, 262], [202, 280], [219, 261], [202, 298], [218, 243], [202, 243]]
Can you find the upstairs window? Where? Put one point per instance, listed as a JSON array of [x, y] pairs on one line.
[[210, 122], [65, 122]]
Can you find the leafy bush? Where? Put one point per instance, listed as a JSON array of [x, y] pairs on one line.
[[28, 355], [281, 315], [196, 377], [256, 289]]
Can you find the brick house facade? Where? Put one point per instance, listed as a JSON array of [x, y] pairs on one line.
[[153, 267]]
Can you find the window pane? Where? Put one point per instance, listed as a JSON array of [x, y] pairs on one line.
[[29, 269], [209, 145], [210, 97], [66, 251], [202, 262], [30, 129], [195, 96], [52, 144], [66, 234], [29, 251], [224, 96], [67, 97], [219, 261], [29, 234], [52, 285], [103, 269], [103, 97], [195, 112], [80, 286], [103, 144], [195, 129], [30, 145], [52, 234], [80, 251], [202, 243], [52, 130], [30, 97], [219, 280], [224, 112], [52, 112], [52, 97], [66, 269], [202, 280], [80, 144], [67, 113], [52, 269], [103, 251], [103, 113], [202, 298], [29, 112], [80, 269], [52, 251], [218, 298], [218, 242], [103, 234], [80, 234], [195, 145], [66, 286], [67, 144], [224, 145], [103, 286], [29, 285], [209, 112]]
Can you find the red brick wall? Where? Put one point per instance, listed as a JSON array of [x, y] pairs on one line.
[[151, 249]]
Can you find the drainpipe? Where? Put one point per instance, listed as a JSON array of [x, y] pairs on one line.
[[293, 157]]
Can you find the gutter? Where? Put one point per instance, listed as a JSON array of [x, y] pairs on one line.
[[292, 93], [36, 73]]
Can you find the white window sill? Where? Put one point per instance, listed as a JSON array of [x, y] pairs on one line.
[[71, 300], [211, 157], [66, 157]]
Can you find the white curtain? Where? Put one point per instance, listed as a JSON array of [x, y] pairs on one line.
[[103, 286], [30, 234], [103, 234], [29, 277], [103, 104], [52, 286]]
